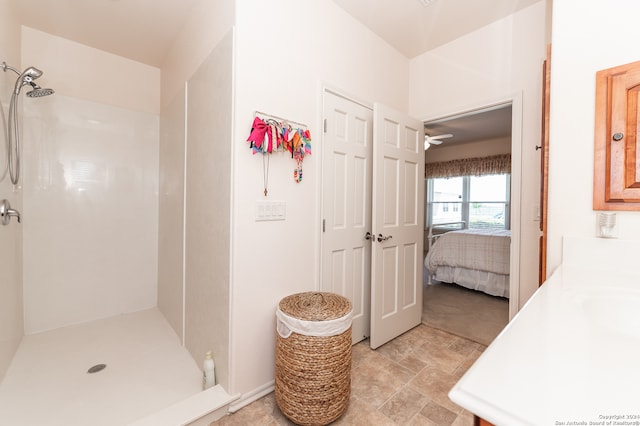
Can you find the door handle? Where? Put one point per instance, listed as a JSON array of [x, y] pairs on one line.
[[368, 236], [383, 238]]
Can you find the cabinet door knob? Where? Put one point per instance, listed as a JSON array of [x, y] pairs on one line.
[[618, 136]]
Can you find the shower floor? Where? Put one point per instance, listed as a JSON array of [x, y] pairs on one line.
[[147, 370]]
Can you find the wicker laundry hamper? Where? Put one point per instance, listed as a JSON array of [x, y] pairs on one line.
[[313, 357]]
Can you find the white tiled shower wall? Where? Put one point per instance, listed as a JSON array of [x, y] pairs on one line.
[[198, 310], [90, 211], [11, 329], [90, 183]]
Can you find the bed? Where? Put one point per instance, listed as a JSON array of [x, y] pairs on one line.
[[473, 258]]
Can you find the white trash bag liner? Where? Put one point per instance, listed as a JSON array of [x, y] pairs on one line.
[[287, 324]]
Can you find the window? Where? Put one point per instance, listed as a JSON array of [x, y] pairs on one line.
[[482, 202]]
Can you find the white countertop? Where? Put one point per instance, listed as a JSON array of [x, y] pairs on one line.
[[572, 354]]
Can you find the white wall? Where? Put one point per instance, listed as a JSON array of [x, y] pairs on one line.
[[485, 66], [90, 160], [210, 21], [171, 212], [91, 74], [208, 205], [587, 36], [198, 304], [286, 49], [11, 312]]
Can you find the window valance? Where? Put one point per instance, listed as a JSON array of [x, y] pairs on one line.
[[479, 166]]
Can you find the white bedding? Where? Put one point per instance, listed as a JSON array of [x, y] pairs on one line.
[[476, 259]]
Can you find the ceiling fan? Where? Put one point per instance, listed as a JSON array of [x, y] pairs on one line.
[[435, 140]]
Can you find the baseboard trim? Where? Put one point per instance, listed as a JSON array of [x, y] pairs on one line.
[[254, 395]]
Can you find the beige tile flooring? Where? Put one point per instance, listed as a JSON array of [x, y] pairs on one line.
[[404, 382]]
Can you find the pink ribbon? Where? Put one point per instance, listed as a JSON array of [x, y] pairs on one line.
[[257, 136]]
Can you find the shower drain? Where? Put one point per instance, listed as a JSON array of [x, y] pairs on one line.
[[96, 368]]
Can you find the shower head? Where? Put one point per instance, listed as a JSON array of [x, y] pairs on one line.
[[32, 72], [26, 77], [38, 91]]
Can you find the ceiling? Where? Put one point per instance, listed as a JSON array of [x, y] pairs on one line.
[[490, 123], [141, 30], [413, 28]]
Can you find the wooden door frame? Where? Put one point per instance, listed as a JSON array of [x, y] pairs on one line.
[[544, 166], [515, 100]]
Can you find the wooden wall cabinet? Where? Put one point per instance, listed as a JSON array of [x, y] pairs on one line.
[[617, 147]]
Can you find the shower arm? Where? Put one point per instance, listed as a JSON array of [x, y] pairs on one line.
[[6, 67]]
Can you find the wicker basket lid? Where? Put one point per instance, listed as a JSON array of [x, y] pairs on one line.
[[315, 306]]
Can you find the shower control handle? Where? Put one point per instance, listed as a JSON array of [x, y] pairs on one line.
[[6, 212]]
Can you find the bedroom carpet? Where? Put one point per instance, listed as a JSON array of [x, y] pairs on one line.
[[466, 313]]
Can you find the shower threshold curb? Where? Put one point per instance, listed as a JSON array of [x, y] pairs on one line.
[[208, 405]]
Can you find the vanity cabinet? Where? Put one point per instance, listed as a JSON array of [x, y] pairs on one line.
[[617, 148], [477, 421]]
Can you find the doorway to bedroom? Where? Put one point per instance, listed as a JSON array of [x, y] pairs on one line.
[[467, 241]]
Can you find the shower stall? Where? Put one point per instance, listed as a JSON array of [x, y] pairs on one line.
[[111, 335]]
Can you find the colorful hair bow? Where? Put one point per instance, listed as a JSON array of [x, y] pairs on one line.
[[269, 135], [261, 132]]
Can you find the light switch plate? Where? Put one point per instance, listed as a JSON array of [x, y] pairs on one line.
[[271, 210]]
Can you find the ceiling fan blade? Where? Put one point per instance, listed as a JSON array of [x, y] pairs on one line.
[[428, 142], [430, 138], [435, 140], [445, 136]]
